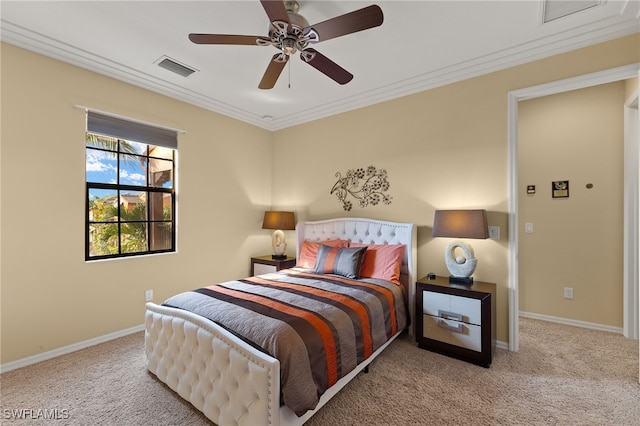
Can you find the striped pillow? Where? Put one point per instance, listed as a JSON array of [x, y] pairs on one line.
[[340, 261], [309, 251]]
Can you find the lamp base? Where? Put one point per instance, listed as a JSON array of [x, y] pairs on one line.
[[460, 280], [279, 256]]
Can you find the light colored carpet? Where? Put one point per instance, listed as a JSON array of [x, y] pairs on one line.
[[562, 375]]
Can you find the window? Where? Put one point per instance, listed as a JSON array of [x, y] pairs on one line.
[[130, 189]]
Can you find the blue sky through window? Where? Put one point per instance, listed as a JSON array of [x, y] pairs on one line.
[[102, 167]]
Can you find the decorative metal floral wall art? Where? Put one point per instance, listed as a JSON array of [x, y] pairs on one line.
[[367, 186]]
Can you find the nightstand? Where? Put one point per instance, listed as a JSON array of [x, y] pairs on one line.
[[265, 264], [457, 320]]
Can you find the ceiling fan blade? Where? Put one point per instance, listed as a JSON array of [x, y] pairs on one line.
[[226, 39], [362, 19], [326, 66], [273, 71], [276, 11]]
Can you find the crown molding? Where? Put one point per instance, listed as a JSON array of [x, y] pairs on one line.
[[595, 32]]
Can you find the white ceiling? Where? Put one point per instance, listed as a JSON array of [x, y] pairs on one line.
[[420, 45]]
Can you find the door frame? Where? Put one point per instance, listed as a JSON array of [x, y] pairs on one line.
[[580, 82], [631, 323]]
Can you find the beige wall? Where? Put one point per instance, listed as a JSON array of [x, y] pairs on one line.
[[50, 296], [577, 241], [445, 147]]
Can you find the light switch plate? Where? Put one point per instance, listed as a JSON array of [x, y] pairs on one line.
[[494, 232]]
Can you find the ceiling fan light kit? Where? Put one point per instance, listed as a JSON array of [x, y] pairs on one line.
[[290, 32]]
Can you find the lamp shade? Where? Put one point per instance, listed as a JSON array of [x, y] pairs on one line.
[[279, 220], [461, 224]]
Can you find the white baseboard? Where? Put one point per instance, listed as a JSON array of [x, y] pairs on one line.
[[574, 323], [13, 365], [502, 345]]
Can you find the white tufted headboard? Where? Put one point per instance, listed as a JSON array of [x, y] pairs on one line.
[[368, 231]]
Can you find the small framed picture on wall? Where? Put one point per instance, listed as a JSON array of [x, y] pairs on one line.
[[560, 189]]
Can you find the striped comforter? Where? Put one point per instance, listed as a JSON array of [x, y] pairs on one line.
[[318, 326]]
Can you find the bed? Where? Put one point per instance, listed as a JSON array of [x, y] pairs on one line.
[[232, 381]]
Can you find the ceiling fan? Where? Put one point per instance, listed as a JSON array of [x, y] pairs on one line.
[[290, 32]]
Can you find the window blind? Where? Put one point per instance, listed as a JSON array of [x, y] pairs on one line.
[[131, 130]]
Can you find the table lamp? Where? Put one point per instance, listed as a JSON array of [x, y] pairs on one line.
[[460, 224], [278, 221]]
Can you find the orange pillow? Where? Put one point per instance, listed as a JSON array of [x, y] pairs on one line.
[[382, 261], [309, 251]]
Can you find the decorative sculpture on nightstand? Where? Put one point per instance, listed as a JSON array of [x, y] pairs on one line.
[[460, 266], [368, 186]]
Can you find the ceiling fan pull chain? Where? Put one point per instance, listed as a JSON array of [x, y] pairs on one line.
[[289, 74]]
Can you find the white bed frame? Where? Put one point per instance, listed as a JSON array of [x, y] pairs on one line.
[[230, 381]]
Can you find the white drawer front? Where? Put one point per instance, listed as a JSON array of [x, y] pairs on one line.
[[438, 304], [431, 330], [259, 269], [453, 332]]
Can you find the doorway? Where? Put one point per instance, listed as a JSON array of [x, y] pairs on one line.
[[632, 187], [571, 259]]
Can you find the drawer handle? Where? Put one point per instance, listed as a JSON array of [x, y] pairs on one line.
[[449, 315], [457, 328]]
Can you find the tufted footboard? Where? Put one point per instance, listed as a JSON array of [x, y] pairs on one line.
[[228, 380]]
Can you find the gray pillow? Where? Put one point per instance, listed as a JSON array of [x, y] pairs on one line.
[[345, 261]]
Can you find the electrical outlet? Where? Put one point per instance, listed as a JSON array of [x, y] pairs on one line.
[[148, 296], [568, 292]]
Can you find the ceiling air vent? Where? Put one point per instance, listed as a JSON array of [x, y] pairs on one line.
[[174, 66], [554, 9]]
